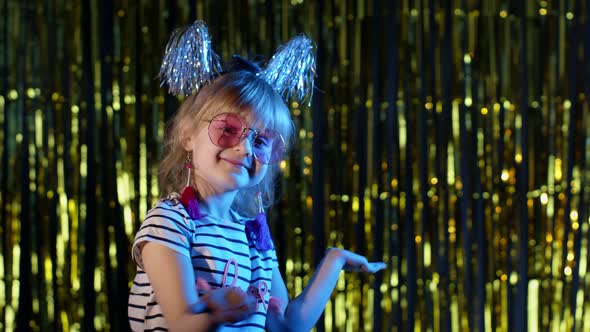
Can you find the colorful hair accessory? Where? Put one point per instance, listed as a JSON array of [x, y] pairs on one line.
[[189, 61], [291, 71]]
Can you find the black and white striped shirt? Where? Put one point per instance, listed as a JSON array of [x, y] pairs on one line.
[[210, 243]]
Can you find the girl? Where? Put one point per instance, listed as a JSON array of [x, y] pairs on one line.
[[204, 258]]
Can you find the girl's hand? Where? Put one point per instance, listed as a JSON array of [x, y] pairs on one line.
[[275, 317], [229, 304], [354, 262]]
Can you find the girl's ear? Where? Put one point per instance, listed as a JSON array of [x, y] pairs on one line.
[[187, 142], [186, 138]]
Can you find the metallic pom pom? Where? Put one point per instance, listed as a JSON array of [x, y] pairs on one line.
[[291, 71], [189, 62]]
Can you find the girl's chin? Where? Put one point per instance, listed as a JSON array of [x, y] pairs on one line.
[[237, 181]]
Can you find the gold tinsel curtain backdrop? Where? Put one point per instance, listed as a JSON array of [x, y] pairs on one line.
[[448, 138]]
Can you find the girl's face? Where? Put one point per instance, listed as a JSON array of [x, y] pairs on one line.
[[219, 169]]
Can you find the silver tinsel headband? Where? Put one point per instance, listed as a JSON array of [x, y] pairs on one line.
[[190, 63], [291, 70]]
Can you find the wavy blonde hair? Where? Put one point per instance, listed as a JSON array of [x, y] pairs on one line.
[[233, 92]]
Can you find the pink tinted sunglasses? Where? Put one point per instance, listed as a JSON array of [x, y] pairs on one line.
[[227, 130]]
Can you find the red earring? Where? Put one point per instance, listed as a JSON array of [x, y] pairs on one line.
[[257, 230], [189, 196]]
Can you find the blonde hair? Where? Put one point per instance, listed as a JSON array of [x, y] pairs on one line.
[[232, 92]]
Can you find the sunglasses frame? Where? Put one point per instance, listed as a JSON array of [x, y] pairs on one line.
[[245, 135]]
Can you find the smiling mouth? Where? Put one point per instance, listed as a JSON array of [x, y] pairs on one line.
[[236, 163]]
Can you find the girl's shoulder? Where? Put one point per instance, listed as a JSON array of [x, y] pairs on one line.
[[169, 206], [255, 252]]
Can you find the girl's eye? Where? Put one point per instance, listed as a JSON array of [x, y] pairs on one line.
[[262, 141], [228, 130]]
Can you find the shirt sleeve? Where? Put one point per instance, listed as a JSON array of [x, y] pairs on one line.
[[267, 257], [165, 224], [272, 254]]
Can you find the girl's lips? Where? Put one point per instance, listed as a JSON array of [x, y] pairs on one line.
[[235, 162]]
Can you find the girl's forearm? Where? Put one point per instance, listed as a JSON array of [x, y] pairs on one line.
[[304, 311]]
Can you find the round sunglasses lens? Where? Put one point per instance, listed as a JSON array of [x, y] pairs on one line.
[[225, 130], [269, 147]]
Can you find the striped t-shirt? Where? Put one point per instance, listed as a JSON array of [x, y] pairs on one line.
[[212, 245]]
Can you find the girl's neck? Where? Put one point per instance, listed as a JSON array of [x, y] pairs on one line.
[[217, 205]]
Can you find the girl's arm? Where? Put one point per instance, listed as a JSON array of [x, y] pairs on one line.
[[303, 312], [172, 278]]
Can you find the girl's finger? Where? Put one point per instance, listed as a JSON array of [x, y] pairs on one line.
[[376, 266], [274, 304], [203, 285]]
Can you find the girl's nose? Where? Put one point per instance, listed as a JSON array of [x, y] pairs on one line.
[[247, 140]]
